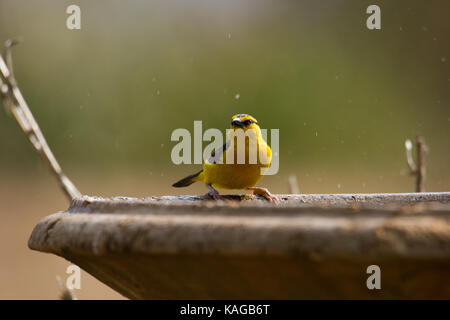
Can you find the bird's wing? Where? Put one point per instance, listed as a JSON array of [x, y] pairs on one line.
[[216, 154]]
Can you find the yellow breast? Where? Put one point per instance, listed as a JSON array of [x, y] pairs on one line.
[[231, 173]]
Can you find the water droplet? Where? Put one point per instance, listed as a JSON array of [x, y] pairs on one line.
[[339, 185], [158, 92], [443, 59], [162, 145], [237, 96], [317, 134], [229, 36]]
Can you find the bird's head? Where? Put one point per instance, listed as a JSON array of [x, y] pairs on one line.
[[245, 122]]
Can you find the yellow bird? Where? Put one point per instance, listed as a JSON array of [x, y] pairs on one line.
[[238, 164]]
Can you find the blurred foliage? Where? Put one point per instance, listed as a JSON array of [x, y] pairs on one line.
[[109, 95]]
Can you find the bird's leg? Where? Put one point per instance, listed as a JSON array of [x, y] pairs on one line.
[[263, 192], [213, 193]]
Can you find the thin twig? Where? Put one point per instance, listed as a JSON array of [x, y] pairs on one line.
[[15, 104], [419, 170], [409, 157], [422, 149], [7, 52], [293, 186]]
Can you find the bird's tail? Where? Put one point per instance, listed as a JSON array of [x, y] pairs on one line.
[[189, 180]]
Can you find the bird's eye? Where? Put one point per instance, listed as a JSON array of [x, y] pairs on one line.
[[247, 122]]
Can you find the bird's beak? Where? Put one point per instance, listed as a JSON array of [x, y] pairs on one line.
[[237, 123]]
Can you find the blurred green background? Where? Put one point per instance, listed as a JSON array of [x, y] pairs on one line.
[[108, 96], [344, 97]]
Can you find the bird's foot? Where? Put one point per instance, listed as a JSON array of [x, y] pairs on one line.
[[214, 194], [265, 193]]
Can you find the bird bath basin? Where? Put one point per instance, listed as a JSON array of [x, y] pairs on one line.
[[305, 247]]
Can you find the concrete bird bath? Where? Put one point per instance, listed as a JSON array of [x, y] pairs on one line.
[[306, 247]]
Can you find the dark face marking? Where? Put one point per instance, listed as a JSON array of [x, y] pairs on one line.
[[237, 123], [242, 120]]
